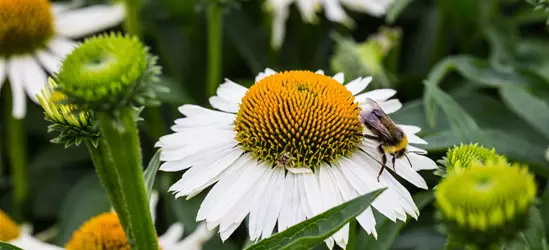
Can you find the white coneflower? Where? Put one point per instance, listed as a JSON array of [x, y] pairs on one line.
[[34, 35], [105, 232], [20, 235], [285, 150], [333, 9]]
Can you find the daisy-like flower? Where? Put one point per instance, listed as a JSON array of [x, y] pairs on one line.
[[333, 9], [20, 235], [285, 150], [35, 35], [105, 232]]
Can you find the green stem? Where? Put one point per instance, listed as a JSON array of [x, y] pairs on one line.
[[122, 141], [132, 25], [352, 235], [103, 162], [17, 156], [215, 30]]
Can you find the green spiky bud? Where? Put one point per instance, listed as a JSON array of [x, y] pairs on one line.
[[70, 122], [463, 156], [108, 72], [485, 204]]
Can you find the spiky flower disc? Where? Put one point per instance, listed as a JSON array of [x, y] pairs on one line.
[[110, 71], [463, 156], [72, 123], [484, 204]]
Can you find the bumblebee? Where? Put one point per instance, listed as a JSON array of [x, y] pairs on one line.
[[392, 139]]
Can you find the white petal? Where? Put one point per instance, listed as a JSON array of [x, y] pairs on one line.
[[28, 242], [300, 170], [357, 85], [231, 91], [274, 204], [51, 62], [340, 77], [224, 104], [307, 9], [415, 150], [367, 221], [245, 182], [35, 78], [203, 175], [153, 201], [171, 236], [334, 11], [88, 20], [16, 73], [414, 139], [173, 152], [61, 46], [59, 7], [391, 106], [409, 129], [321, 72], [263, 193], [279, 27], [261, 75], [221, 187], [194, 159], [377, 95], [289, 205], [196, 240], [420, 162]]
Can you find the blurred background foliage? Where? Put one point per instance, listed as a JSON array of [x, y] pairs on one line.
[[466, 71]]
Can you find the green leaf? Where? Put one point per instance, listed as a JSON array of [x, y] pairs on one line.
[[6, 246], [529, 107], [150, 173], [85, 200], [313, 231], [461, 123], [396, 8], [531, 238], [388, 230]]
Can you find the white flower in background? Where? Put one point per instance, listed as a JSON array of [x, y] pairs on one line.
[[104, 231], [34, 35], [285, 150], [332, 8], [20, 235]]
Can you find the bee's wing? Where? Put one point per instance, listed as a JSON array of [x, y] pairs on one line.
[[377, 119]]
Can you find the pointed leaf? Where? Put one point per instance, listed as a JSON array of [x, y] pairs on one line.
[[529, 107], [6, 246], [313, 231], [150, 172]]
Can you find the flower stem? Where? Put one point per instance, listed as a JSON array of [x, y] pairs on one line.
[[352, 235], [132, 24], [215, 31], [122, 142], [17, 156]]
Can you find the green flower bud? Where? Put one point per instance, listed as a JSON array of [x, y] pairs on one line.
[[485, 204], [109, 72], [72, 123], [463, 156]]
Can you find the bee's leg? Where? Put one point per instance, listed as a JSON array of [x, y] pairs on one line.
[[393, 160], [383, 160], [371, 137]]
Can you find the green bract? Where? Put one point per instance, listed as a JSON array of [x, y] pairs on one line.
[[463, 156], [486, 203], [108, 72], [72, 123]]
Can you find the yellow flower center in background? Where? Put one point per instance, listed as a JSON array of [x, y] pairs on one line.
[[25, 25], [300, 117], [102, 232], [8, 229]]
